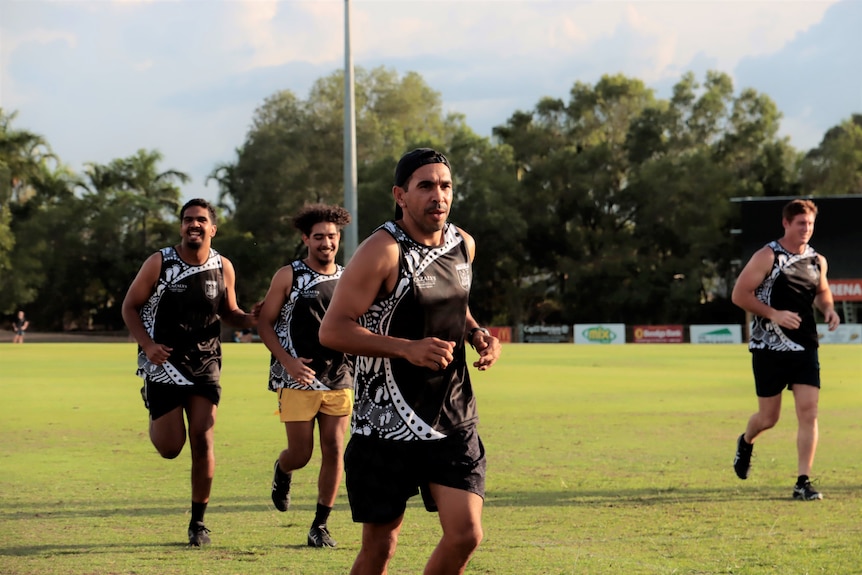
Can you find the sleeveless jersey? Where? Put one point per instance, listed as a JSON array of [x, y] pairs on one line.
[[395, 399], [791, 285], [297, 328], [182, 314]]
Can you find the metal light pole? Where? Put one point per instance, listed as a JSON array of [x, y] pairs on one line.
[[349, 238]]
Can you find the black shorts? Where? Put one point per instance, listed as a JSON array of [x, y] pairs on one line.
[[382, 475], [775, 370], [161, 398]]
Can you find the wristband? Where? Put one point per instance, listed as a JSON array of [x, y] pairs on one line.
[[472, 333]]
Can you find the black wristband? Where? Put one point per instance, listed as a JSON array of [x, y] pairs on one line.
[[472, 333]]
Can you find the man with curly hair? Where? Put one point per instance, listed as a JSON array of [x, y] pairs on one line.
[[313, 382]]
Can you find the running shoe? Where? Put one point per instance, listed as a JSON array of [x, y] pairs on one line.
[[280, 488], [198, 534], [318, 536], [742, 460], [805, 492]]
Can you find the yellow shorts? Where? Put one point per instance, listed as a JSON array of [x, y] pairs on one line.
[[298, 405]]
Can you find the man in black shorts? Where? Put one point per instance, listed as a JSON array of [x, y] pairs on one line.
[[172, 309], [779, 286], [401, 307]]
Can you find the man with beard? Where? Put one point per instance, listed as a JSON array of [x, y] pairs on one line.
[[313, 382], [401, 307], [173, 310]]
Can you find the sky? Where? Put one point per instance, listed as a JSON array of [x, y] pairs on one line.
[[101, 79]]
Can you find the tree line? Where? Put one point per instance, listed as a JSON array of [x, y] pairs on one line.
[[612, 205]]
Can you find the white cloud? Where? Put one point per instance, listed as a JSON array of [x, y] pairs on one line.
[[803, 130], [664, 36], [273, 33], [101, 79], [12, 93]]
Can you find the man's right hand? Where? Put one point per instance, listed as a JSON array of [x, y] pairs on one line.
[[297, 368], [157, 353], [788, 319], [431, 352]]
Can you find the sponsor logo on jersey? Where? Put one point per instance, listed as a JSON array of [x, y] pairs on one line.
[[424, 281], [211, 288], [464, 275]]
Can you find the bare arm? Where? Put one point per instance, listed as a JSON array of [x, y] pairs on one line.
[[749, 279], [823, 300], [230, 311], [139, 292], [374, 270], [279, 288], [488, 346]]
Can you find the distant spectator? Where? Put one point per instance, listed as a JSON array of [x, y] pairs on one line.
[[243, 336], [19, 325]]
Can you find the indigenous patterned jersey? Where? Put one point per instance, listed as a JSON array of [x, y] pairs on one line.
[[182, 314], [297, 328], [791, 285], [398, 400]]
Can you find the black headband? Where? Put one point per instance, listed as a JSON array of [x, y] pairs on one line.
[[412, 161]]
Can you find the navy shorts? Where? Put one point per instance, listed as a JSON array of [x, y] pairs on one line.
[[161, 398], [775, 370], [382, 475]]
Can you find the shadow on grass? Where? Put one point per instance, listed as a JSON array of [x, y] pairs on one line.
[[574, 497], [48, 550], [577, 497], [154, 508], [87, 549]]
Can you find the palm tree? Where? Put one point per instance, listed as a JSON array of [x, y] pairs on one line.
[[22, 157], [157, 192], [152, 195]]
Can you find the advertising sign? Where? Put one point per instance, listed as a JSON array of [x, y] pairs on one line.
[[846, 290], [720, 333], [845, 333], [545, 333], [600, 333], [657, 334], [503, 333]]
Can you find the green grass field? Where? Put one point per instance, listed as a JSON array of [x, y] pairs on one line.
[[601, 460]]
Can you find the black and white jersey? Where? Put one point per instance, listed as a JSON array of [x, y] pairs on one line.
[[297, 328], [183, 314], [791, 285], [395, 399]]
